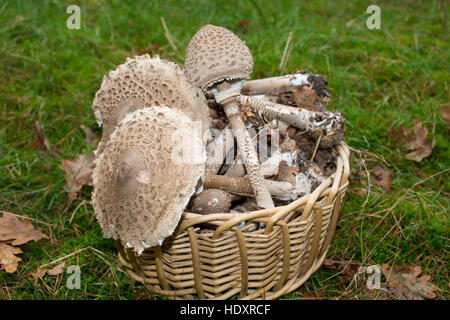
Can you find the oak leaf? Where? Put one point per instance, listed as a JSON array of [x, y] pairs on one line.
[[17, 230], [416, 140], [8, 259], [403, 283]]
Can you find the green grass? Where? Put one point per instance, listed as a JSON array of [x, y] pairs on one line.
[[379, 79]]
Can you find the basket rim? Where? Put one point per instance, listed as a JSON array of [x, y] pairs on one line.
[[327, 191]]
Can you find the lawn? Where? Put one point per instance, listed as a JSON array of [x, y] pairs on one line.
[[379, 79]]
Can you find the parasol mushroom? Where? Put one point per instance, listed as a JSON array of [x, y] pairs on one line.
[[140, 186], [217, 61], [145, 82]]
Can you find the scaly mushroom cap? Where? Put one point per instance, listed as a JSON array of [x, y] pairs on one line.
[[215, 54], [145, 82], [146, 175]]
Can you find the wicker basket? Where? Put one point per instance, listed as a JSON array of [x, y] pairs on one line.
[[230, 261]]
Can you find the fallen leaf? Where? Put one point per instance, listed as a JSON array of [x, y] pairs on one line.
[[348, 268], [78, 173], [403, 283], [242, 23], [40, 141], [17, 230], [416, 140], [57, 270], [90, 138], [152, 48], [39, 273], [8, 260], [287, 173], [383, 178], [445, 114]]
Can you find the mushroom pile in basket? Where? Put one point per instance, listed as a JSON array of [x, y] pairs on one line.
[[205, 139]]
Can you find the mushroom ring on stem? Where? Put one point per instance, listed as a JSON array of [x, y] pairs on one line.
[[146, 175], [218, 61]]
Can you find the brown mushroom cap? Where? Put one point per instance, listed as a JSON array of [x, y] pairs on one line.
[[145, 82], [140, 187], [211, 201], [215, 54]]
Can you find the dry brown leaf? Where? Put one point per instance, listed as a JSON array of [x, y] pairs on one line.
[[287, 173], [40, 141], [17, 230], [242, 23], [57, 270], [151, 49], [89, 136], [403, 283], [78, 173], [445, 114], [416, 139], [383, 178], [8, 260], [39, 273], [348, 268]]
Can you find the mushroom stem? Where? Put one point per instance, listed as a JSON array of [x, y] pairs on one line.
[[242, 186], [217, 151], [276, 85], [227, 98], [296, 117]]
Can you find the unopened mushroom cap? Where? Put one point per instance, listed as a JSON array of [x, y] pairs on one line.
[[146, 82], [215, 54], [146, 175], [211, 201]]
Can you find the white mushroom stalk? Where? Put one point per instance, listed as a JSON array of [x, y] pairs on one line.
[[277, 85], [296, 117], [217, 61]]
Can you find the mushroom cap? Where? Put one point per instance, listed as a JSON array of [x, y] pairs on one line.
[[211, 201], [142, 180], [146, 82], [215, 54]]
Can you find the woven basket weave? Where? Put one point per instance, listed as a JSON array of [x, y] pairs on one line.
[[230, 260]]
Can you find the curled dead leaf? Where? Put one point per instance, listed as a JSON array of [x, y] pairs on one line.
[[40, 141], [78, 173], [383, 178], [403, 283], [416, 140]]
